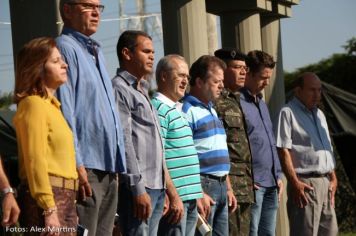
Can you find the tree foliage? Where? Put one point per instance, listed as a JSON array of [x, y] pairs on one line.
[[6, 99], [350, 47], [338, 70]]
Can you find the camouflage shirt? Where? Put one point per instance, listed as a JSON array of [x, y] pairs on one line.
[[229, 111]]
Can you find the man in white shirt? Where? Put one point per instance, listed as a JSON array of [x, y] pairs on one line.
[[307, 160]]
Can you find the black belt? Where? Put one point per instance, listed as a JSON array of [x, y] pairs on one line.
[[218, 178], [313, 175]]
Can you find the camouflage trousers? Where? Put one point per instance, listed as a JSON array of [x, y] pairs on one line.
[[32, 219], [239, 221]]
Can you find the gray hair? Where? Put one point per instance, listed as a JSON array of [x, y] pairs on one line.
[[165, 64]]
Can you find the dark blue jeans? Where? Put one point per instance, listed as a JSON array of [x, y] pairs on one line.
[[218, 218], [129, 224], [264, 212], [186, 227]]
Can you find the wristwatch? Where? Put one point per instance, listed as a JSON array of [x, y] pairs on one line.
[[7, 190]]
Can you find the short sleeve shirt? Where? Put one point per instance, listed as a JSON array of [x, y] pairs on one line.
[[305, 133]]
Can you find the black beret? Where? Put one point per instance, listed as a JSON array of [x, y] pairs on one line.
[[230, 54]]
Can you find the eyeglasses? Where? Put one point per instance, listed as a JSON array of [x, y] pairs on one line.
[[88, 6], [240, 67]]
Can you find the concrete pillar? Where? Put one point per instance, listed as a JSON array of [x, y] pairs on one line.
[[212, 33], [185, 28], [32, 19], [271, 43], [241, 30], [282, 227], [275, 97]]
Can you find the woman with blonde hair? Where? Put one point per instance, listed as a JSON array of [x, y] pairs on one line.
[[45, 142]]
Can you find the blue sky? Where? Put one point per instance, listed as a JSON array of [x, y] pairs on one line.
[[317, 29]]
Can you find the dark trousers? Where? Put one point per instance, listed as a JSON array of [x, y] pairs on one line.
[[239, 221]]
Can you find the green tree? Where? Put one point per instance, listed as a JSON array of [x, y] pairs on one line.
[[338, 70], [350, 47], [6, 100]]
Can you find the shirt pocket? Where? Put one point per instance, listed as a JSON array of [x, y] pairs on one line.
[[140, 113], [240, 169], [233, 123], [241, 179]]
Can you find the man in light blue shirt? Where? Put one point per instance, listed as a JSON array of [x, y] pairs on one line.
[[89, 108], [307, 159]]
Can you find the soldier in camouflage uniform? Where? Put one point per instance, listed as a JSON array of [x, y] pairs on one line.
[[230, 112]]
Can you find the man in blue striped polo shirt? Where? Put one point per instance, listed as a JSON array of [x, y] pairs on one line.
[[207, 75], [180, 154]]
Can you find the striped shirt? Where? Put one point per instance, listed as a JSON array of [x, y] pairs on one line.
[[180, 154], [208, 135]]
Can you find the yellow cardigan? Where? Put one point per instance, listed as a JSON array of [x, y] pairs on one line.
[[45, 145]]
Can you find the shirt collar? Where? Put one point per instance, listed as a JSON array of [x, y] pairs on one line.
[[53, 100], [84, 40], [228, 93], [163, 98], [130, 79], [249, 97], [195, 101], [301, 105]]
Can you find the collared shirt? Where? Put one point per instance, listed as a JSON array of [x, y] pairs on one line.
[[305, 132], [45, 144], [143, 142], [265, 162], [208, 135], [88, 104], [180, 153]]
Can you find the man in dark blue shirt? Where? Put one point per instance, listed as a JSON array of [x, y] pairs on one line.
[[265, 162]]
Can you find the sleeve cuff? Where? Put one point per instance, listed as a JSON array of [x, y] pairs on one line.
[[79, 161], [46, 202], [138, 189], [284, 144]]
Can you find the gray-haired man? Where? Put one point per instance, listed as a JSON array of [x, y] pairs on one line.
[[88, 105]]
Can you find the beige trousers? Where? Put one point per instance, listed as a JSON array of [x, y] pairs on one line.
[[318, 218]]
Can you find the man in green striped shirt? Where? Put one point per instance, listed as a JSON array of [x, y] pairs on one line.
[[172, 75]]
